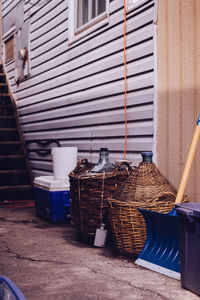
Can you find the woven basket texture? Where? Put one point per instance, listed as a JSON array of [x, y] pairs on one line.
[[89, 197], [145, 188]]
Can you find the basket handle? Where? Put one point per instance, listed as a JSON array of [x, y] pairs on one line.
[[123, 162], [81, 164], [83, 161], [163, 194]]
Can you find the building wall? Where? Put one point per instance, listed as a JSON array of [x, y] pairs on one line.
[[178, 47], [76, 92]]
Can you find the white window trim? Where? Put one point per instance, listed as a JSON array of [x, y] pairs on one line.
[[130, 6], [76, 34]]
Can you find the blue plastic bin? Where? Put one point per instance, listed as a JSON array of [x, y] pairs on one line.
[[52, 199], [9, 291], [189, 236]]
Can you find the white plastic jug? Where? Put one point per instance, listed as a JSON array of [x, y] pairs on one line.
[[64, 161]]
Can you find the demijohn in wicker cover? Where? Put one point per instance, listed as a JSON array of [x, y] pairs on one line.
[[145, 188], [89, 193]]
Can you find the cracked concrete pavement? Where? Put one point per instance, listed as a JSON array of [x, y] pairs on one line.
[[46, 261]]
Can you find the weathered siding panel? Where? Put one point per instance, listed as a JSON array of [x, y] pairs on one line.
[[178, 88], [76, 92]]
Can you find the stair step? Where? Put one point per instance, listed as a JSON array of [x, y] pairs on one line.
[[6, 109], [9, 129], [17, 203], [3, 172], [5, 95], [5, 98], [5, 105], [16, 193], [11, 147], [7, 121], [15, 156], [7, 117], [15, 182], [16, 187], [4, 88], [6, 136], [13, 177], [13, 162], [11, 143]]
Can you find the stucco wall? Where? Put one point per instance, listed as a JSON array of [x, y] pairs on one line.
[[178, 43]]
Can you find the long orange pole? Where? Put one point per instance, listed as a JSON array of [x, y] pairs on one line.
[[125, 84]]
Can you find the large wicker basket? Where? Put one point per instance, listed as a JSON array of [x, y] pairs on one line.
[[146, 188], [89, 196]]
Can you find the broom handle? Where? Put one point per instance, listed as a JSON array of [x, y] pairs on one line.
[[188, 163]]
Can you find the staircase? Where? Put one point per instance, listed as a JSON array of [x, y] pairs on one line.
[[15, 176]]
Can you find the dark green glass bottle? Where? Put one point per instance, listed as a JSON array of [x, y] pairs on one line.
[[147, 157]]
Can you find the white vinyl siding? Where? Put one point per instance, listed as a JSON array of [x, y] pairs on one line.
[[131, 4], [76, 91]]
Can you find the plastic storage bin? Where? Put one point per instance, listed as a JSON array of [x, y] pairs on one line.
[[52, 199], [189, 233], [9, 291]]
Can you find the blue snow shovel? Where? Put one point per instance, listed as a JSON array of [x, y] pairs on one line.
[[161, 249]]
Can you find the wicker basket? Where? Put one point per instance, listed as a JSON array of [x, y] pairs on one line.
[[146, 188], [89, 194]]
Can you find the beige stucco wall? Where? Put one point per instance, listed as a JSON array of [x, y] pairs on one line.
[[178, 103]]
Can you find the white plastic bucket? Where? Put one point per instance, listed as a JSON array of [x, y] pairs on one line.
[[64, 161]]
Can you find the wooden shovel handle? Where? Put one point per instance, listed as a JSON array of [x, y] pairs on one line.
[[188, 163]]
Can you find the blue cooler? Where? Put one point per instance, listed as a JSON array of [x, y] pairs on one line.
[[52, 199], [9, 291]]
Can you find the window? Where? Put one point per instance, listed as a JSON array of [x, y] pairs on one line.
[[85, 16], [9, 48], [131, 4]]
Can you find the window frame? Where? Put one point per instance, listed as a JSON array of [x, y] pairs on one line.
[[6, 37], [9, 56], [82, 31]]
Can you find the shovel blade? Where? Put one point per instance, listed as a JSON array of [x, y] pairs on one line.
[[161, 249]]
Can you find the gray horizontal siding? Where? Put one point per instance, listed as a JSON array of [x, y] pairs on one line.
[[76, 92]]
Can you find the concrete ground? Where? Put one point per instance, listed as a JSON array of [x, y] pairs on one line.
[[47, 262]]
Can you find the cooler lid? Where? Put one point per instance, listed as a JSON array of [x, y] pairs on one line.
[[50, 184]]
